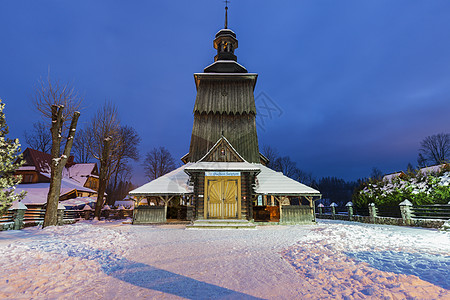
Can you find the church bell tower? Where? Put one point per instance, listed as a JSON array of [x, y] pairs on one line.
[[225, 103]]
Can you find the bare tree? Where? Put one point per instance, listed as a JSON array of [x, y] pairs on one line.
[[435, 149], [304, 177], [158, 162], [58, 161], [104, 144], [286, 165], [118, 191], [376, 174], [81, 146], [49, 92], [271, 154], [59, 103], [40, 137], [127, 150]]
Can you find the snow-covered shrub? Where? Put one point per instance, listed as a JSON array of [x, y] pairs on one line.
[[9, 157], [419, 188]]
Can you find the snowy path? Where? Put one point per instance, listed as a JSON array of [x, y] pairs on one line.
[[339, 260]]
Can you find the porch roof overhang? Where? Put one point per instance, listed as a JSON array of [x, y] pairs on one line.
[[171, 184], [271, 182]]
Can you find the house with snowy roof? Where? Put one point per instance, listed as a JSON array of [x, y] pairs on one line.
[[225, 177], [433, 169], [79, 180], [392, 176]]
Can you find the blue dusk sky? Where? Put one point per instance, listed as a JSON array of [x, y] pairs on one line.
[[355, 84]]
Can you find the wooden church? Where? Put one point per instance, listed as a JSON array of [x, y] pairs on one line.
[[224, 176]]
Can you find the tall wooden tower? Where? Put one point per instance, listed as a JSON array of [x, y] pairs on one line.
[[225, 104]]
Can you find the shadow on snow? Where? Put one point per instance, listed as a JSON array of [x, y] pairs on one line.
[[428, 267], [149, 277]]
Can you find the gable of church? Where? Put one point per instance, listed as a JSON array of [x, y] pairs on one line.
[[222, 151]]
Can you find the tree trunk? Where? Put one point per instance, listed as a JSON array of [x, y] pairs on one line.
[[58, 162], [116, 171], [103, 178]]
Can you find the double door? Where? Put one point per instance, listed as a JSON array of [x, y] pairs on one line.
[[222, 197]]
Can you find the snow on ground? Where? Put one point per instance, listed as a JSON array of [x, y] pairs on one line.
[[338, 260]]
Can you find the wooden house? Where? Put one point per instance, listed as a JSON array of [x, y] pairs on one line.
[[78, 180]]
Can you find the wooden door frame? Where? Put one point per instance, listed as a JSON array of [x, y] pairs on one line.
[[223, 179]]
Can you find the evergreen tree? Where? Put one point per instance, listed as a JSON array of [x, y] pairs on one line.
[[9, 162]]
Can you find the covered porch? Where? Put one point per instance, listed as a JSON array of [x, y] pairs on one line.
[[154, 200], [281, 199]]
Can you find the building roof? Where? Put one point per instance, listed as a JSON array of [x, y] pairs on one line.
[[431, 169], [37, 192], [80, 172], [389, 177], [270, 182], [40, 160], [172, 183], [79, 201]]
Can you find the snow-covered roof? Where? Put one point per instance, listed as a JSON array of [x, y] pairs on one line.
[[271, 182], [79, 172], [77, 201], [172, 183], [37, 192], [222, 166], [389, 177], [432, 169], [26, 168], [125, 203]]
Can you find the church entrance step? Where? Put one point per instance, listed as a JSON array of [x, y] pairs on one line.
[[221, 224]]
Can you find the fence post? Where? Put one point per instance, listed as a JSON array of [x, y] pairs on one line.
[[350, 210], [120, 213], [405, 210], [87, 212], [320, 206], [333, 209], [105, 211], [61, 209], [18, 209], [372, 212]]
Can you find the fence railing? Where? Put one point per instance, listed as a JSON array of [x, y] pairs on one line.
[[403, 214], [18, 218], [431, 212]]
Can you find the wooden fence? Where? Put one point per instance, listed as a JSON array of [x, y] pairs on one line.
[[296, 214], [20, 218], [147, 214], [431, 212], [403, 214]]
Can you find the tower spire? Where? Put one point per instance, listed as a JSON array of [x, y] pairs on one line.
[[226, 13]]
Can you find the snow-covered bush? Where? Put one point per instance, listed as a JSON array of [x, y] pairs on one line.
[[419, 188], [9, 162]]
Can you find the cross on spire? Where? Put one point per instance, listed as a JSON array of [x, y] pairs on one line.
[[226, 13]]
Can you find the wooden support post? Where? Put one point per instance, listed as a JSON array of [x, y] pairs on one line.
[[311, 204], [166, 201], [281, 210]]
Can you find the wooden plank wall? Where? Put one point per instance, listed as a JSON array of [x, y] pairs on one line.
[[297, 214], [240, 130], [149, 214]]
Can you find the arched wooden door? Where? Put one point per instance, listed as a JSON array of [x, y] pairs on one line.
[[222, 198]]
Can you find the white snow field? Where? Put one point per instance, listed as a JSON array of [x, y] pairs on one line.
[[331, 260]]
